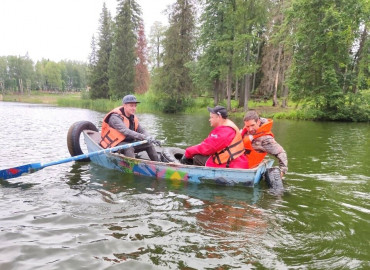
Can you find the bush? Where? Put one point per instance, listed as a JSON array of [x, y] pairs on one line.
[[349, 107]]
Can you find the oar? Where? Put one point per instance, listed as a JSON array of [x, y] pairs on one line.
[[33, 167]]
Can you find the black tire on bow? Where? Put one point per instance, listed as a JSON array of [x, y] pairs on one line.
[[73, 137], [172, 154], [273, 179]]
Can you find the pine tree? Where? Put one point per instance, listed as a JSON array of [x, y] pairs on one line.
[[123, 57], [141, 74], [99, 66], [174, 84], [92, 56]]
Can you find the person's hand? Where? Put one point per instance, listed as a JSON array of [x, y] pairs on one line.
[[150, 139], [186, 161], [153, 140], [157, 142], [183, 160]]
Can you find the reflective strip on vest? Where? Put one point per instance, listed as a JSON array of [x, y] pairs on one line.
[[110, 137]]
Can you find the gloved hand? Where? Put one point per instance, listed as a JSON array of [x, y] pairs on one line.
[[186, 161], [152, 140], [183, 160]]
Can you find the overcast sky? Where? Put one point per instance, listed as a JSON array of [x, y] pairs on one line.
[[60, 29]]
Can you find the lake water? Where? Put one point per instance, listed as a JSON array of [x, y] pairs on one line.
[[82, 216]]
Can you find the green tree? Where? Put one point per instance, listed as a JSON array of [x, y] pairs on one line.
[[99, 62], [53, 76], [277, 54], [326, 33], [40, 80], [231, 38], [173, 84], [251, 17], [123, 57], [156, 37], [20, 72], [3, 73], [216, 36], [73, 75]]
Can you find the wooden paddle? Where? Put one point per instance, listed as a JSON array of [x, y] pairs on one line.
[[33, 167]]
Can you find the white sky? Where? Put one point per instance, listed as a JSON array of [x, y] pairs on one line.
[[61, 29]]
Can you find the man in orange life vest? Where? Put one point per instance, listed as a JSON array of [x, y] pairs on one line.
[[222, 148], [259, 140], [121, 126]]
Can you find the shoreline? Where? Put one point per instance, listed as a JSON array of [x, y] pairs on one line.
[[52, 99]]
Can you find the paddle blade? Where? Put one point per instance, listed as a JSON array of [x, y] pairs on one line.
[[18, 171]]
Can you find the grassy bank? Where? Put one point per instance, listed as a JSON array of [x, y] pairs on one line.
[[77, 100], [38, 97]]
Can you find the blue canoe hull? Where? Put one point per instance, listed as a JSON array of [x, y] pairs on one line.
[[175, 171]]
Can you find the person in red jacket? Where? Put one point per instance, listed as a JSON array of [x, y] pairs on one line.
[[222, 148]]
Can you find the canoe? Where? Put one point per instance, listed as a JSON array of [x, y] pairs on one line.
[[173, 170]]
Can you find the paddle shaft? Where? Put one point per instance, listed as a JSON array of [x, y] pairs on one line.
[[30, 168], [92, 154]]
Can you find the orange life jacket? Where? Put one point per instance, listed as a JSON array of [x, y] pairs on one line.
[[110, 137], [234, 150], [254, 157]]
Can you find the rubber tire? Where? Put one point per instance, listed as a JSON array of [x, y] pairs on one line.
[[73, 137], [273, 179], [172, 154]]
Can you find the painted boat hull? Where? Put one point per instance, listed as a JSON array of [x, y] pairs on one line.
[[175, 171]]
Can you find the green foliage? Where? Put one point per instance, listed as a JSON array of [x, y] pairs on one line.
[[326, 32], [349, 107], [321, 48], [156, 37], [172, 83], [100, 62], [122, 60], [20, 74]]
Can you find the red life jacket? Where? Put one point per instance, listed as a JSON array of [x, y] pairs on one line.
[[110, 136], [234, 150], [254, 157]]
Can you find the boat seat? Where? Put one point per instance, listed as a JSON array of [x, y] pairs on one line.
[[94, 135]]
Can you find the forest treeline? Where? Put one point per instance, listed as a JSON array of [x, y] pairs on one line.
[[20, 74], [310, 52]]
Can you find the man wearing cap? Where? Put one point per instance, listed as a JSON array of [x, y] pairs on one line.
[[222, 148], [121, 126]]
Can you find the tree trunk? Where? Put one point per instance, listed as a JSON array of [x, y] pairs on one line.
[[358, 57], [236, 89], [275, 101], [20, 85], [228, 89], [158, 52], [246, 91], [242, 91], [216, 91], [255, 72], [247, 81]]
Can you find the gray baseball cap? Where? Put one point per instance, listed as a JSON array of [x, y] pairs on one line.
[[218, 110], [129, 99]]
